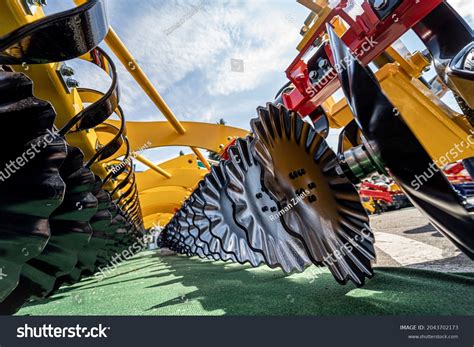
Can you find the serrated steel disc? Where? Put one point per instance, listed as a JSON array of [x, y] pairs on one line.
[[202, 249], [320, 205], [203, 223], [185, 232], [218, 208], [257, 213], [172, 238], [191, 232]]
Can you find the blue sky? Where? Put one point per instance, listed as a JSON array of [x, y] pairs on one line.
[[186, 48]]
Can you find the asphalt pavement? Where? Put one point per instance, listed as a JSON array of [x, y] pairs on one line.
[[405, 238]]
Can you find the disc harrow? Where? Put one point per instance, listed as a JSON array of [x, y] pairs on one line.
[[71, 202], [256, 204]]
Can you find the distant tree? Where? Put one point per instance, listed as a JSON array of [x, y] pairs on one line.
[[214, 155]]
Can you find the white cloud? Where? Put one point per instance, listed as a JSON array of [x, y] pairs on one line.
[[203, 41], [190, 64], [465, 8]]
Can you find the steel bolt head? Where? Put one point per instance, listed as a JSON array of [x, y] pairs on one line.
[[380, 4], [40, 3], [66, 70], [72, 83]]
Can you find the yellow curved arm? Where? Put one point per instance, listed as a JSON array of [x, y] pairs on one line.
[[163, 199], [158, 219], [184, 173], [212, 137]]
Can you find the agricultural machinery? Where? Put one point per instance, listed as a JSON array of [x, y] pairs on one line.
[[71, 199]]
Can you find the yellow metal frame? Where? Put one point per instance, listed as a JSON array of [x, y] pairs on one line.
[[164, 187], [185, 174], [209, 136], [322, 10], [436, 126]]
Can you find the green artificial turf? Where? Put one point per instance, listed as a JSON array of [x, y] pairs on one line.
[[175, 285]]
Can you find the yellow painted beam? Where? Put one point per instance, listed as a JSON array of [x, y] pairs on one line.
[[163, 199], [129, 62], [184, 173], [322, 10], [208, 136], [132, 66], [158, 219], [436, 126], [186, 178], [152, 166], [123, 54], [201, 157]]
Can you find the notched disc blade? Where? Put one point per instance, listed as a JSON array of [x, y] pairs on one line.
[[203, 224], [257, 213], [218, 208], [318, 204]]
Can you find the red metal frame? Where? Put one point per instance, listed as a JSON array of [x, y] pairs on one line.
[[378, 195], [455, 174], [305, 98], [225, 151]]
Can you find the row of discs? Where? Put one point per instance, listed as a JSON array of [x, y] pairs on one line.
[[280, 200]]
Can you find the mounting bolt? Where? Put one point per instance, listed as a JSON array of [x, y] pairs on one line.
[[37, 2], [380, 4], [312, 198], [264, 208], [72, 83], [273, 209], [66, 70], [259, 195]]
